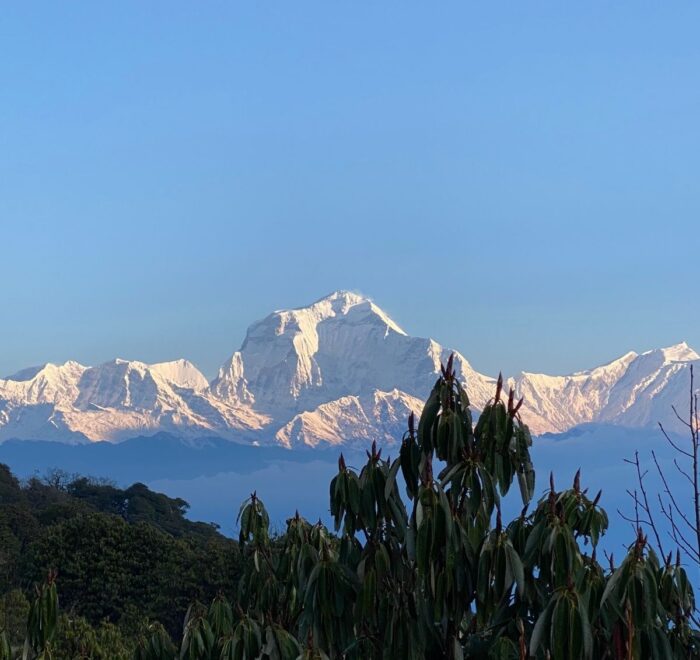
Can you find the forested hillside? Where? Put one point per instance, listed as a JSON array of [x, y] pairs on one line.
[[122, 556]]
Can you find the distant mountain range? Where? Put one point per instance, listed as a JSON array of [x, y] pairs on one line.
[[338, 371]]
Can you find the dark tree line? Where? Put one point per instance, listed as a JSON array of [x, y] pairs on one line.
[[123, 557]]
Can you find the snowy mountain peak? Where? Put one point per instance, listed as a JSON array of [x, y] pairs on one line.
[[676, 353], [297, 359], [48, 370], [612, 369], [338, 370], [341, 298], [181, 373], [633, 390], [342, 303], [49, 384]]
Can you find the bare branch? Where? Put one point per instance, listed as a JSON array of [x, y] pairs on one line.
[[670, 494], [633, 523], [682, 471], [680, 419], [645, 502], [673, 444], [682, 528], [677, 535]]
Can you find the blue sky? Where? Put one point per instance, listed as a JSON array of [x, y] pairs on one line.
[[519, 181]]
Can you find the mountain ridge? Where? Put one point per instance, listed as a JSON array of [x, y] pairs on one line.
[[336, 371]]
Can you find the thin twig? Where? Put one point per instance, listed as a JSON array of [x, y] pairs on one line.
[[682, 471], [645, 503], [694, 438], [677, 535], [670, 494], [680, 419], [673, 444]]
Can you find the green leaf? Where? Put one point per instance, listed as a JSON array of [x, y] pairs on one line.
[[391, 479], [585, 624], [423, 539], [559, 632], [612, 582], [427, 418], [516, 567]]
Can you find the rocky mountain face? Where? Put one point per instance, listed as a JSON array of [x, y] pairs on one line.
[[337, 371]]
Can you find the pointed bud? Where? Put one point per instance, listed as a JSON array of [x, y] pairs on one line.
[[551, 481], [499, 387], [449, 365], [511, 394], [341, 462], [517, 406], [597, 497], [577, 481], [411, 423]]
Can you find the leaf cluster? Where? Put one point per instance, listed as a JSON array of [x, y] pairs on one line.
[[445, 577]]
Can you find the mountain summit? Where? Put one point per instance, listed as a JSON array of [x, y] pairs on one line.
[[296, 360], [340, 370]]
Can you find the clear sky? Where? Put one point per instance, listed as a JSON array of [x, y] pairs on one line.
[[517, 180]]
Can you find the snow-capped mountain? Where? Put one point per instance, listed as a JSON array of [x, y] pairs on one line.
[[296, 360], [379, 416], [634, 390], [339, 370], [116, 400]]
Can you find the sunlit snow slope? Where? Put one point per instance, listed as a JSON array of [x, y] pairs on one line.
[[338, 371]]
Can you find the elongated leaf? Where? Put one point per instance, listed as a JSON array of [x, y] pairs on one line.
[[516, 567], [391, 479], [538, 632]]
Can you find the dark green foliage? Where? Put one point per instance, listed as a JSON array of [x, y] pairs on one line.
[[123, 556], [154, 643], [450, 579], [14, 610], [139, 504], [109, 567], [78, 640]]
